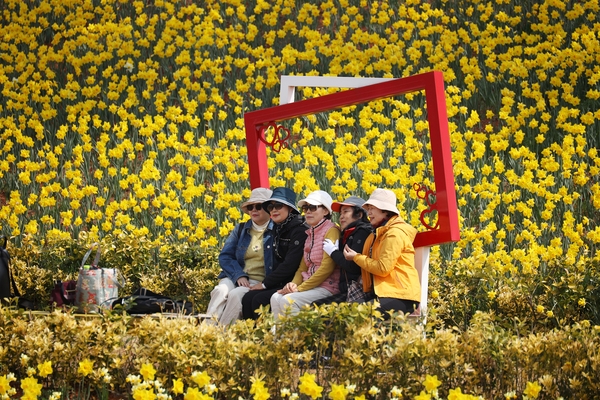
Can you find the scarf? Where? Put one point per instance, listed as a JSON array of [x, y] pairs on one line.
[[259, 228], [277, 236]]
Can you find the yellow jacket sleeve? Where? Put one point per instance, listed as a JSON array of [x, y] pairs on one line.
[[298, 277], [389, 251]]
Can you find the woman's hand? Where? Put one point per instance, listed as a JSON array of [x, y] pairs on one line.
[[243, 281], [258, 286], [349, 254], [289, 287]]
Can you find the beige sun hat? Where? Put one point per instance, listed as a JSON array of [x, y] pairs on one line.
[[258, 196], [383, 199]]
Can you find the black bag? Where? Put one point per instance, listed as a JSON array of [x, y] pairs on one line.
[[143, 301], [7, 280]]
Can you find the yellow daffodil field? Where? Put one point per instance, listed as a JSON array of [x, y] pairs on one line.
[[122, 122]]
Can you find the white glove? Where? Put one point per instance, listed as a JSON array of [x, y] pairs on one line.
[[329, 247]]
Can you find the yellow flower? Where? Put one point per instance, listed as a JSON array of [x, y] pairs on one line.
[[338, 392], [540, 308], [396, 392], [210, 389], [5, 381], [144, 394], [309, 387], [177, 386], [45, 369], [455, 394], [85, 367], [147, 371], [201, 379], [31, 386], [133, 379], [258, 390], [31, 227], [55, 396], [24, 359], [195, 394], [423, 396], [532, 390], [431, 383]]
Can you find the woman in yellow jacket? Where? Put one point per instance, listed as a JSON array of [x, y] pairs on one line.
[[388, 257]]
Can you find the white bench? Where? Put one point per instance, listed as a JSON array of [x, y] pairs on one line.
[[422, 267]]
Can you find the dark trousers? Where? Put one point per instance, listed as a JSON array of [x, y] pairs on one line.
[[253, 300], [388, 304], [256, 298]]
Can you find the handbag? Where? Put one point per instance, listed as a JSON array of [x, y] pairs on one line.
[[7, 282], [63, 293], [6, 278], [96, 287], [356, 293], [144, 301]]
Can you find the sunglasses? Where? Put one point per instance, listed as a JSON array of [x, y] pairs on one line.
[[274, 206], [251, 207], [311, 208]]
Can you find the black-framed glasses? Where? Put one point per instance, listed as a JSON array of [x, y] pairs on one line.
[[311, 208], [251, 207], [274, 206]]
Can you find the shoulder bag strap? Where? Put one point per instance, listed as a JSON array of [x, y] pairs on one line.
[[87, 255], [97, 258]]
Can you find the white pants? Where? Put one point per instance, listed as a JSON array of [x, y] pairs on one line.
[[226, 301], [295, 301]]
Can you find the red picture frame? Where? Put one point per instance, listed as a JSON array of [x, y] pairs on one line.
[[447, 227]]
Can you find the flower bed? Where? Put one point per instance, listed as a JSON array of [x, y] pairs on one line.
[[127, 117], [121, 122], [318, 354]]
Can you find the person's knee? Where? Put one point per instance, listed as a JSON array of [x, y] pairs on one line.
[[237, 294], [275, 300], [287, 303], [293, 306], [220, 290]]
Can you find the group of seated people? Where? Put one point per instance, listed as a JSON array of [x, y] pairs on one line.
[[290, 255]]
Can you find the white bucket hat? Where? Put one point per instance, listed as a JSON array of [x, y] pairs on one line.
[[317, 198], [383, 199], [258, 196]]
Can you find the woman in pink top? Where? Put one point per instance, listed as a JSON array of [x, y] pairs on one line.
[[318, 276]]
